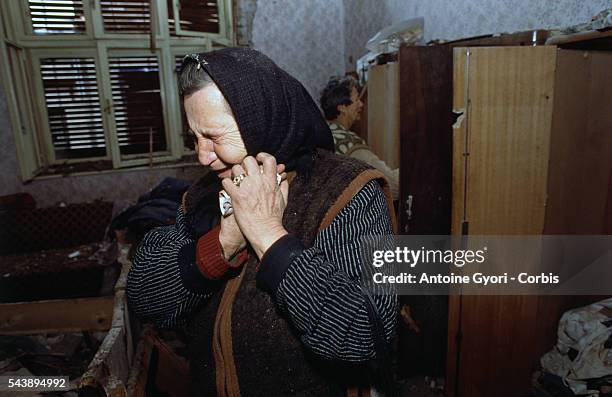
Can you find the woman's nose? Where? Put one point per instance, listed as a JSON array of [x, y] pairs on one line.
[[206, 154]]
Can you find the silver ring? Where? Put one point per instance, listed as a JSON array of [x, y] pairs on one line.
[[238, 179]]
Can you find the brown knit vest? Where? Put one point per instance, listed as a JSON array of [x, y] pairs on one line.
[[265, 353]]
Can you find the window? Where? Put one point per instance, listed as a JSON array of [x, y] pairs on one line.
[[91, 84], [57, 16], [126, 16], [138, 107], [196, 17], [73, 107]]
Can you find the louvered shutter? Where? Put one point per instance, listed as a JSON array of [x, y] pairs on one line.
[[57, 16], [196, 16], [137, 104], [126, 16], [73, 107]]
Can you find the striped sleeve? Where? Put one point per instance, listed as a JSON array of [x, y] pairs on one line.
[[164, 284], [320, 290]]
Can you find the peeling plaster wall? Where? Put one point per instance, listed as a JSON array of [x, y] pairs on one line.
[[456, 19]]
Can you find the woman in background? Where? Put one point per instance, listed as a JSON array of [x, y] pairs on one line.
[[342, 107]]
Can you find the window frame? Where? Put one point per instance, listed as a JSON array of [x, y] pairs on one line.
[[40, 104], [19, 11], [29, 154], [100, 31], [130, 160], [26, 97]]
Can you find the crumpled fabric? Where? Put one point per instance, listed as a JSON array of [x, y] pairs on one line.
[[584, 334]]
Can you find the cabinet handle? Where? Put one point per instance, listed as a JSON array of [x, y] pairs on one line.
[[409, 207]]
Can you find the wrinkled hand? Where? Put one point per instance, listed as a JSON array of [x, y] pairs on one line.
[[231, 238], [259, 203]]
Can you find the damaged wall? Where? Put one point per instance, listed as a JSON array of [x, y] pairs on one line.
[[457, 19]]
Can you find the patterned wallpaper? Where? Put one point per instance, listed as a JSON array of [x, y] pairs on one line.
[[306, 38], [312, 40], [455, 19], [363, 18]]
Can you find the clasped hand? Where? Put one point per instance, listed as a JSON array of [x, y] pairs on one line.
[[258, 202]]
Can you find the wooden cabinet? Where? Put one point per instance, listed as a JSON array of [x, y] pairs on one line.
[[531, 132], [383, 112]]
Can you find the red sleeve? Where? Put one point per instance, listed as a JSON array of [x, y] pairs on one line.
[[209, 255]]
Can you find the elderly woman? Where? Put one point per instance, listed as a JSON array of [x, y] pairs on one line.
[[270, 299], [342, 107]]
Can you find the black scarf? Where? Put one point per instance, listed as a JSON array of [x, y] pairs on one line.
[[274, 112]]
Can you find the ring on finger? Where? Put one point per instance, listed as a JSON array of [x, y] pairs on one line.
[[238, 179]]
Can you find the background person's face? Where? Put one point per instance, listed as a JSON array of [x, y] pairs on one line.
[[218, 141], [353, 111]]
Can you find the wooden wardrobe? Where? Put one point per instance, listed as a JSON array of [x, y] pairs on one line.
[[504, 140]]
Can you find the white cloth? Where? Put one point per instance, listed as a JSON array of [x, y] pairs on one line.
[[583, 330]]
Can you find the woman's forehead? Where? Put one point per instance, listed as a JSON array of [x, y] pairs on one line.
[[208, 96], [208, 106], [208, 119]]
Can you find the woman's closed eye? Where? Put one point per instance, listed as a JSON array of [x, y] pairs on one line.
[[230, 137]]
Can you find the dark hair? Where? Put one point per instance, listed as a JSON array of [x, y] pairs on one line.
[[192, 77], [337, 92]]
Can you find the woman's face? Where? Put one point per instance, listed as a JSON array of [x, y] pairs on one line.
[[353, 111], [218, 141]]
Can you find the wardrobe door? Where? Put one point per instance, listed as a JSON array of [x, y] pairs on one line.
[[580, 171], [426, 83], [425, 191], [500, 168]]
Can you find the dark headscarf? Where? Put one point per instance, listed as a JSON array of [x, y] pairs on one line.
[[274, 112]]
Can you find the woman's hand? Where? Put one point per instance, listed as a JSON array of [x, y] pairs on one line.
[[259, 203], [231, 238]]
